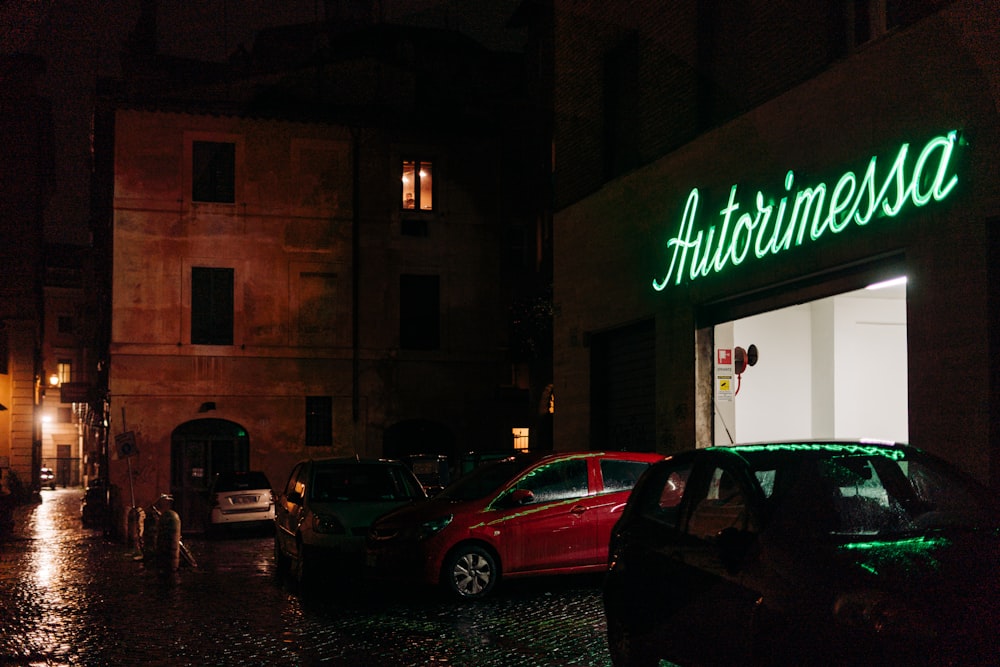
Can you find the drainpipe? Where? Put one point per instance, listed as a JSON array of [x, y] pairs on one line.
[[355, 272]]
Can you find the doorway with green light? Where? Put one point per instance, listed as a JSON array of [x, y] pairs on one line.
[[199, 450]]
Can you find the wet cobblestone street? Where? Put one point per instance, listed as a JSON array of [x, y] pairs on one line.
[[68, 596]]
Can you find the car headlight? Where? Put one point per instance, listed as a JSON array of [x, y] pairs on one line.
[[327, 523], [881, 613], [433, 527]]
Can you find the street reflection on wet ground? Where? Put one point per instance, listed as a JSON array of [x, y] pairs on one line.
[[68, 596]]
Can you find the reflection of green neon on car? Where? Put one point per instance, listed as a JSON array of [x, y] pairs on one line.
[[865, 450], [878, 553]]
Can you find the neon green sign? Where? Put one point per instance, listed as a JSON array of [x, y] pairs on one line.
[[764, 229]]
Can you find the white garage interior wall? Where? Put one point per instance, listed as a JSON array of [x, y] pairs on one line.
[[833, 368]]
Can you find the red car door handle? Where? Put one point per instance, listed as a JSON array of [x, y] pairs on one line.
[[578, 509]]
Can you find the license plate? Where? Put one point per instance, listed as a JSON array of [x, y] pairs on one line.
[[244, 500]]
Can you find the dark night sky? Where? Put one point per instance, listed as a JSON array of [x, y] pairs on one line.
[[81, 39]]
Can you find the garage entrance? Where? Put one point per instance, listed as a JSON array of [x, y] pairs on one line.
[[835, 367]]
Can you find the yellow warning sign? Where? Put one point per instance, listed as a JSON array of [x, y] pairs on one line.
[[724, 384]]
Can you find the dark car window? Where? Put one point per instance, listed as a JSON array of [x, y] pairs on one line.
[[354, 482], [722, 504], [559, 480], [621, 475], [661, 495], [878, 495], [943, 495], [226, 482]]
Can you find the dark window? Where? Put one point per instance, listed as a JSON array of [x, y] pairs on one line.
[[211, 306], [213, 172], [517, 247], [319, 421], [419, 312], [65, 324], [621, 108]]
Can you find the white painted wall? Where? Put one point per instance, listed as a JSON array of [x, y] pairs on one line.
[[834, 368], [871, 372]]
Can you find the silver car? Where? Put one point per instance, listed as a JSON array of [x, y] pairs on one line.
[[325, 509]]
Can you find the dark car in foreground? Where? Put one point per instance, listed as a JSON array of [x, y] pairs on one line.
[[531, 514], [325, 509], [818, 553]]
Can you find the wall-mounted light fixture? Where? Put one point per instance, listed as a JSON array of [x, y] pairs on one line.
[[207, 406]]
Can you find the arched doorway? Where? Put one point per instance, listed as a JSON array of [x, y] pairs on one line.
[[198, 450]]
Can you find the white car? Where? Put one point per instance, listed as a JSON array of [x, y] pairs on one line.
[[241, 498]]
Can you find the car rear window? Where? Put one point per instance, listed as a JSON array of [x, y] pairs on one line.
[[621, 475], [241, 481]]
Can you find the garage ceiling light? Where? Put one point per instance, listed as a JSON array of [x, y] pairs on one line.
[[892, 282]]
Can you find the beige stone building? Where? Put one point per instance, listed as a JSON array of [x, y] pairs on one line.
[[285, 287]]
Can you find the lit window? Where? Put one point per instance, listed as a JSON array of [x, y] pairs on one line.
[[64, 369], [520, 439], [418, 186]]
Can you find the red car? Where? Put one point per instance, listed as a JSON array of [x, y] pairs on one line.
[[529, 514]]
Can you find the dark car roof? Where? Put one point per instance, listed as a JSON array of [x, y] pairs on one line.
[[805, 448], [353, 459]]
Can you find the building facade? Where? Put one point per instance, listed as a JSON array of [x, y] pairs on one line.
[[747, 170], [26, 184], [68, 375], [292, 279]]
